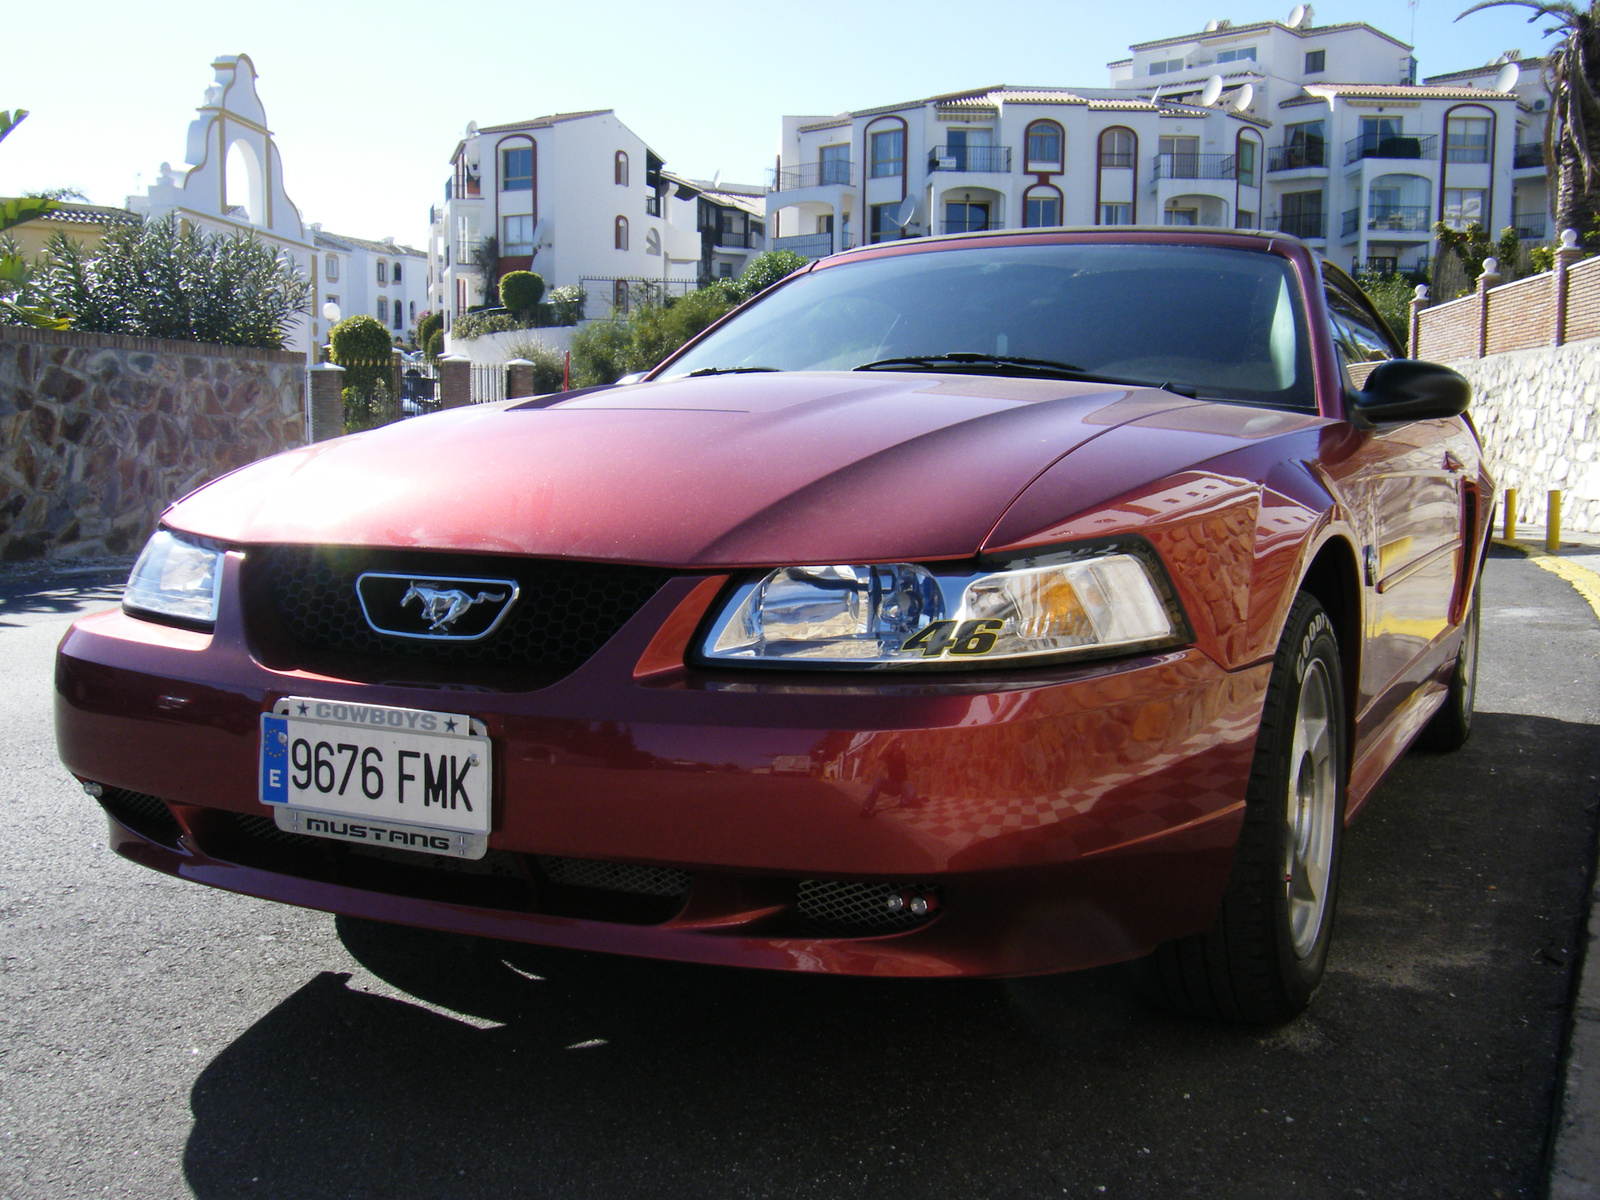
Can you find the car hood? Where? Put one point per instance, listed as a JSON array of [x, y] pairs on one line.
[[736, 470]]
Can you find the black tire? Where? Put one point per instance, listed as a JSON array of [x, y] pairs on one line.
[[1452, 724], [1263, 958]]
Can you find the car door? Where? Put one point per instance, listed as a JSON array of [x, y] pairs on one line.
[[1406, 485]]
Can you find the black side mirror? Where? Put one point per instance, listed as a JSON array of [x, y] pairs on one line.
[[1405, 389]]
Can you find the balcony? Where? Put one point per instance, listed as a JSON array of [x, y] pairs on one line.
[[984, 159], [1399, 218], [815, 245], [1304, 225], [1528, 154], [1296, 155], [971, 225], [1372, 145], [735, 239], [818, 174], [1196, 166], [1531, 226]]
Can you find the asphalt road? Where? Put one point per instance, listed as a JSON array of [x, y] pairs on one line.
[[161, 1039]]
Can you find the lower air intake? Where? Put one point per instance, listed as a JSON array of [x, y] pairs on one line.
[[865, 907], [616, 877]]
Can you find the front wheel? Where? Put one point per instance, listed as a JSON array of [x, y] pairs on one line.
[[1264, 957]]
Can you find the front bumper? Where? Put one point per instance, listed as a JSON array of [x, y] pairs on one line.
[[1064, 819]]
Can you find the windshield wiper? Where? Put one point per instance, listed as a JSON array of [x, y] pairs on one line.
[[1006, 363], [966, 358], [729, 371]]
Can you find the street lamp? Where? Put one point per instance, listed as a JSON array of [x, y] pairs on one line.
[[330, 314]]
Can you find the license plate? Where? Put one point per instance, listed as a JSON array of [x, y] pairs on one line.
[[403, 778]]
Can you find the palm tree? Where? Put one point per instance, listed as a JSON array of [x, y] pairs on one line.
[[1572, 131]]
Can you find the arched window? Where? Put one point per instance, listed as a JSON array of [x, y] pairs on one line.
[[620, 170], [622, 233], [332, 268], [1044, 144], [1118, 146], [1041, 206], [619, 295], [397, 272]]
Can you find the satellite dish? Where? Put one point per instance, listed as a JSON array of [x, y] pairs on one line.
[[541, 227], [907, 210], [716, 180], [1298, 15], [1210, 93], [1507, 78], [1243, 98], [472, 129], [1156, 95], [1211, 26]]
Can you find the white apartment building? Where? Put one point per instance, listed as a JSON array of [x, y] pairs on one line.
[[1318, 131], [577, 197], [384, 280], [1530, 198]]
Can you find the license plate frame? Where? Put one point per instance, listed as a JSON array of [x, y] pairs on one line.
[[362, 795]]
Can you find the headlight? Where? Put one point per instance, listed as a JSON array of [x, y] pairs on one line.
[[175, 577], [901, 614]]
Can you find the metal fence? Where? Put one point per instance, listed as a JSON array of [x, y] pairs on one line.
[[488, 384]]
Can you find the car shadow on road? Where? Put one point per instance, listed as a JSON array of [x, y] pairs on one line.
[[510, 1070]]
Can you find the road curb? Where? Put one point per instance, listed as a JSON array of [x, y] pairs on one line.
[[1574, 1151]]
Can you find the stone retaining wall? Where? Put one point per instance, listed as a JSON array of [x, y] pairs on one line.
[[1538, 412], [99, 433]]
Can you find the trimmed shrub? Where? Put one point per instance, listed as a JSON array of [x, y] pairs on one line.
[[521, 291], [159, 279], [434, 346], [426, 325]]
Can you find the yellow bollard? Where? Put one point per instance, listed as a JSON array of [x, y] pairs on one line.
[[1511, 514], [1552, 522]]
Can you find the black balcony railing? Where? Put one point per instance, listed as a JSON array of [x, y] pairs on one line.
[[972, 224], [1304, 225], [1390, 264], [990, 159], [818, 174], [1296, 155], [1182, 165], [652, 206], [1373, 145], [1531, 225], [1528, 154]]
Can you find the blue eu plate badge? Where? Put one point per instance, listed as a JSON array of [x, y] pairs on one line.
[[274, 760]]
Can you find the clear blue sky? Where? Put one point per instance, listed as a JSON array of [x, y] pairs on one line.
[[368, 99]]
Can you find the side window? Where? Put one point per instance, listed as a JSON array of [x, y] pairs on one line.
[[1359, 337]]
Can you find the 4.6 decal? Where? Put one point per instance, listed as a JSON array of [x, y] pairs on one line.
[[966, 639]]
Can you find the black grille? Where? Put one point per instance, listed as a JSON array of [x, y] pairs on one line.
[[616, 877], [564, 613], [859, 906], [146, 815]]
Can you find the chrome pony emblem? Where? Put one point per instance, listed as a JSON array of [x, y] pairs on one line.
[[444, 608], [434, 608]]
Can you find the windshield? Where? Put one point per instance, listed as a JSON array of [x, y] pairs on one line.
[[1223, 323]]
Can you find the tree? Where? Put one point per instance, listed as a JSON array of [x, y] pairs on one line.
[[427, 325], [16, 277], [1572, 130], [766, 269], [360, 344], [486, 258]]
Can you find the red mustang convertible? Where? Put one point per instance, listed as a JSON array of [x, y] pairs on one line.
[[987, 605]]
